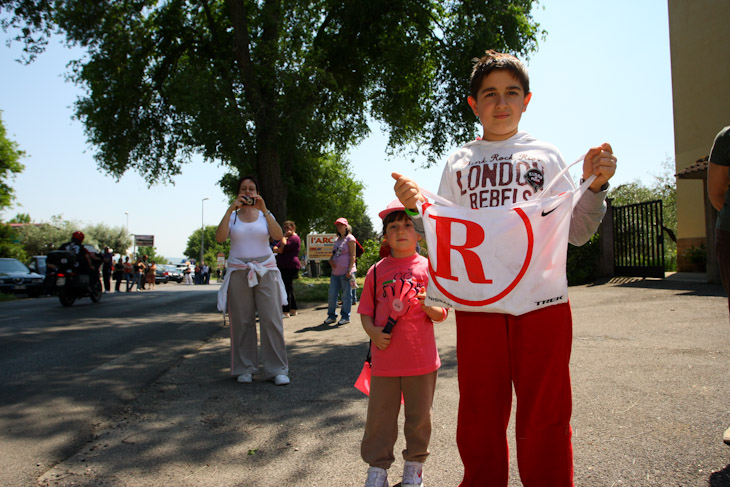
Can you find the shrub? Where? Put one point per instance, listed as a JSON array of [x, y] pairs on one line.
[[583, 262]]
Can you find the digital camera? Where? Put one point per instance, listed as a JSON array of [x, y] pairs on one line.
[[248, 200]]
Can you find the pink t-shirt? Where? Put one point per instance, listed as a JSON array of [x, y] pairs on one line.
[[412, 349], [341, 256]]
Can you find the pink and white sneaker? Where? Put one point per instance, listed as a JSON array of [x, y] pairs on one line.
[[377, 477], [412, 474]]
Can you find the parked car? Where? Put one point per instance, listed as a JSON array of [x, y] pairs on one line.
[[15, 277], [173, 273], [160, 274], [37, 264]]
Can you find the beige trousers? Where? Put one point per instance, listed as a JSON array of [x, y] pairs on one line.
[[243, 303], [381, 427]]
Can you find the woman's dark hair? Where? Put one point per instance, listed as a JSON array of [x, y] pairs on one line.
[[347, 231], [250, 178], [289, 222], [391, 217]]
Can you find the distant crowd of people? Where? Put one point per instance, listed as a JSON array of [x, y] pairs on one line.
[[140, 274]]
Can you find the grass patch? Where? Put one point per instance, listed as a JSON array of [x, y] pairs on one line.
[[7, 297], [314, 289]]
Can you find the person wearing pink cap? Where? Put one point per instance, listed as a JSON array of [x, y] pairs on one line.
[[405, 359], [343, 266]]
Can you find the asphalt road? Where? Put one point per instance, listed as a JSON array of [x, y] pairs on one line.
[[65, 371], [650, 370]]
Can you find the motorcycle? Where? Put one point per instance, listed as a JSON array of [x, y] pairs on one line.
[[69, 281]]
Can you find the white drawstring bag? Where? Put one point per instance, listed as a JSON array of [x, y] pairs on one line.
[[508, 259]]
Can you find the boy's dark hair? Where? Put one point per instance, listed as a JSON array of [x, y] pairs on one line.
[[393, 216], [493, 60], [250, 178]]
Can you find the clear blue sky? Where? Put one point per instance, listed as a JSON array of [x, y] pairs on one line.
[[602, 74]]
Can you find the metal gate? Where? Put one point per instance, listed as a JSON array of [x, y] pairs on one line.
[[638, 241]]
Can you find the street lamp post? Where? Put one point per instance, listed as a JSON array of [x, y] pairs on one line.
[[127, 213], [202, 229]]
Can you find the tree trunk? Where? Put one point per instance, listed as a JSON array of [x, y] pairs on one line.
[[273, 189]]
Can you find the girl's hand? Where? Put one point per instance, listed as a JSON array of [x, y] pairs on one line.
[[436, 313], [422, 300], [381, 340]]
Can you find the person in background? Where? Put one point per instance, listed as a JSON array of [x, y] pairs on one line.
[[343, 265], [206, 273], [187, 276], [718, 190], [143, 272], [139, 273], [353, 289], [287, 259], [107, 262], [129, 273], [118, 274], [150, 274], [253, 285]]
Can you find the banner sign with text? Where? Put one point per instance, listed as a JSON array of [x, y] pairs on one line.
[[320, 245], [144, 240]]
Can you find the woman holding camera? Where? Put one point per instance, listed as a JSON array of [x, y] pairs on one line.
[[253, 284]]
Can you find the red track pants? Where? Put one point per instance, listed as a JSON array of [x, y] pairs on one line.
[[531, 351]]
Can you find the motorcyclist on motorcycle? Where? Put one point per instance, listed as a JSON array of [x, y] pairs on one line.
[[83, 257]]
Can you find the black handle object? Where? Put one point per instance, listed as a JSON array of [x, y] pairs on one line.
[[389, 325]]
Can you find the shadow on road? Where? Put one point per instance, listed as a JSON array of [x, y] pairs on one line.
[[720, 478]]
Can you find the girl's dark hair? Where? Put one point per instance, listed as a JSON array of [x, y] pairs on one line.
[[393, 216], [250, 178]]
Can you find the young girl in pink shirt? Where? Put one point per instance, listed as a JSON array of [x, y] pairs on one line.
[[404, 355]]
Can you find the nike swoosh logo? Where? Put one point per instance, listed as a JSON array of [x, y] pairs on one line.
[[546, 214]]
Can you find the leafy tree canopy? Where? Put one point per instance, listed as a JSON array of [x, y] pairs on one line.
[[10, 243], [20, 218], [211, 246], [152, 255], [271, 87], [10, 165], [116, 238], [41, 238]]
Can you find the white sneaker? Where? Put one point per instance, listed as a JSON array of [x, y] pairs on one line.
[[329, 321], [281, 380], [245, 378], [377, 477], [412, 474], [343, 321]]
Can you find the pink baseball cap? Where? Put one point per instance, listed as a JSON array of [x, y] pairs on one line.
[[341, 220], [394, 205]]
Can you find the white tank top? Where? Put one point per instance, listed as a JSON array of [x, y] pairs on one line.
[[249, 240]]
